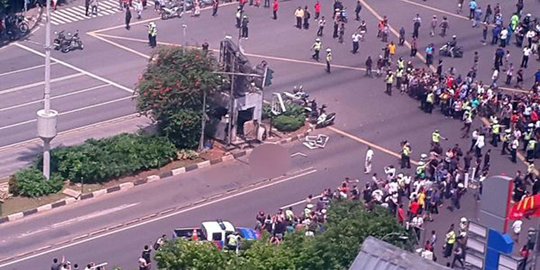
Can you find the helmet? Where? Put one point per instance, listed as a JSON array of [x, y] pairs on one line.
[[318, 39], [328, 50], [437, 130], [508, 130], [530, 125], [434, 16], [454, 36], [421, 163], [463, 220]]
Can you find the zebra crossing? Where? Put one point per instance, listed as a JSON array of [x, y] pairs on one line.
[[71, 14]]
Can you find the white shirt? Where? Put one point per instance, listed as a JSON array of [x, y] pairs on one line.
[[504, 33], [355, 37], [480, 141], [417, 222], [369, 155], [516, 226], [526, 51]]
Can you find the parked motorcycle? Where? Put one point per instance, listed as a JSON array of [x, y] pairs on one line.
[[445, 51], [16, 27], [297, 94], [71, 42], [59, 39], [173, 11], [325, 120]]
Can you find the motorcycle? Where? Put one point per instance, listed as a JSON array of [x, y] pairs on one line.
[[16, 27], [169, 12], [71, 42], [445, 51], [297, 94], [325, 120]]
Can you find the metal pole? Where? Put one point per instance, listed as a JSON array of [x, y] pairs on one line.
[[184, 31], [231, 104], [203, 122], [47, 92]]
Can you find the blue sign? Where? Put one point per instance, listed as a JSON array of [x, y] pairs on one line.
[[497, 244]]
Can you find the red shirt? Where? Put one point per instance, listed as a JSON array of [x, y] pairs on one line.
[[317, 8], [276, 5], [415, 206], [401, 215]]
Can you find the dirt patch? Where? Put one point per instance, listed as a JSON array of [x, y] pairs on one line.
[[19, 204]]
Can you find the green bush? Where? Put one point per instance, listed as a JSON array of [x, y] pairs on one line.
[[287, 123], [31, 183], [182, 128], [98, 161]]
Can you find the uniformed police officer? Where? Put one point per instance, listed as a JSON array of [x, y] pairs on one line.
[[436, 137], [528, 135], [531, 147], [506, 138], [389, 81], [406, 155], [152, 34], [316, 49], [495, 132], [513, 149], [430, 99], [328, 59]]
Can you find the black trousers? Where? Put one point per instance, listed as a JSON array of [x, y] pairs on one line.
[[355, 47], [275, 15], [319, 32], [299, 22], [328, 66]]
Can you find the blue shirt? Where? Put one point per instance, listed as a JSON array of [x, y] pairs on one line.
[[537, 76], [429, 50], [473, 5]]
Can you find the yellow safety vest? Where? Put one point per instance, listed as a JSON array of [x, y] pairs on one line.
[[495, 128], [436, 137], [420, 169], [401, 65], [406, 151], [430, 98], [531, 145], [528, 135], [451, 236], [390, 79], [317, 46]]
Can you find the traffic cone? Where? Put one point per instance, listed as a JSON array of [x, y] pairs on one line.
[[195, 235]]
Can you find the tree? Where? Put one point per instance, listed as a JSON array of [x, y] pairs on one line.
[[335, 247], [183, 254], [176, 79]]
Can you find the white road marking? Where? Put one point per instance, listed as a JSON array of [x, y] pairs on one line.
[[22, 87], [204, 204], [87, 73], [54, 97], [77, 220], [24, 69], [299, 202], [69, 112], [299, 154]]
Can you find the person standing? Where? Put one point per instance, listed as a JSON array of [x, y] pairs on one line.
[[389, 81], [525, 59], [316, 48], [299, 14], [513, 149], [509, 74], [414, 49], [238, 16], [369, 65], [406, 155], [472, 8], [459, 255], [489, 12], [86, 7], [147, 254], [266, 3], [322, 22], [94, 7], [444, 26], [128, 17], [306, 18], [317, 10], [417, 21], [328, 59], [275, 9], [368, 161], [429, 54], [357, 10], [450, 241], [434, 24], [152, 34], [215, 6], [355, 42], [519, 78], [245, 22]]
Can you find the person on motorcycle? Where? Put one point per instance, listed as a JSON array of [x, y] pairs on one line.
[[452, 45]]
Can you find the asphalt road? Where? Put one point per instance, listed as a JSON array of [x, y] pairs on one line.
[[365, 116]]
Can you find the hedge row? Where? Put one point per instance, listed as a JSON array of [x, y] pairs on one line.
[[31, 183]]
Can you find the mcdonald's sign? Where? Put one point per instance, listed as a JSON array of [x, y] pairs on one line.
[[530, 206]]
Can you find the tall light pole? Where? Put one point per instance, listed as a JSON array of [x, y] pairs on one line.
[[46, 118]]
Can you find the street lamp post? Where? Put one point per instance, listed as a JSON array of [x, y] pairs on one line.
[[47, 118]]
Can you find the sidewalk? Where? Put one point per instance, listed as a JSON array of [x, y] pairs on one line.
[[16, 156]]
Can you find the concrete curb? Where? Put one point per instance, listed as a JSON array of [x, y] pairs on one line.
[[149, 179]]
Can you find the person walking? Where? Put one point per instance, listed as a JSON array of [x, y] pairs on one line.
[[328, 59], [152, 34], [525, 59], [316, 49], [128, 17], [306, 18], [369, 160], [513, 149], [459, 256], [358, 9], [433, 25], [429, 54], [317, 8], [146, 254], [406, 155], [275, 9], [321, 23], [94, 7], [238, 16], [244, 23], [472, 8], [138, 8], [389, 81], [444, 26], [417, 21], [215, 6], [86, 7], [355, 42], [489, 12]]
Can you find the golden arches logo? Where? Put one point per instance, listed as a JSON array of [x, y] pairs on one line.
[[526, 204]]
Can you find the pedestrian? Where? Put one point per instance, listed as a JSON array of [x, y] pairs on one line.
[[55, 265], [94, 7], [519, 78], [524, 253], [369, 65], [299, 14], [266, 3], [152, 34], [459, 255], [355, 42], [362, 30], [513, 149], [157, 5], [389, 81], [196, 9], [341, 32], [509, 74], [459, 6], [449, 241], [244, 26], [358, 9], [406, 155], [444, 26], [489, 12], [414, 49], [472, 8], [238, 16], [433, 25], [401, 38], [215, 6], [317, 8], [128, 17], [322, 22], [525, 59], [368, 161], [503, 37], [477, 17], [417, 21], [306, 18], [147, 254], [54, 4], [138, 8], [328, 59], [275, 9], [429, 54], [86, 7], [484, 33], [317, 46]]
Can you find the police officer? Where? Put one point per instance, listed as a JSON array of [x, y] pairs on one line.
[[436, 137], [421, 170], [506, 138], [531, 147], [244, 23], [527, 136], [430, 99], [513, 149], [399, 78], [152, 34], [406, 155], [328, 59], [495, 132], [389, 81], [316, 49]]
